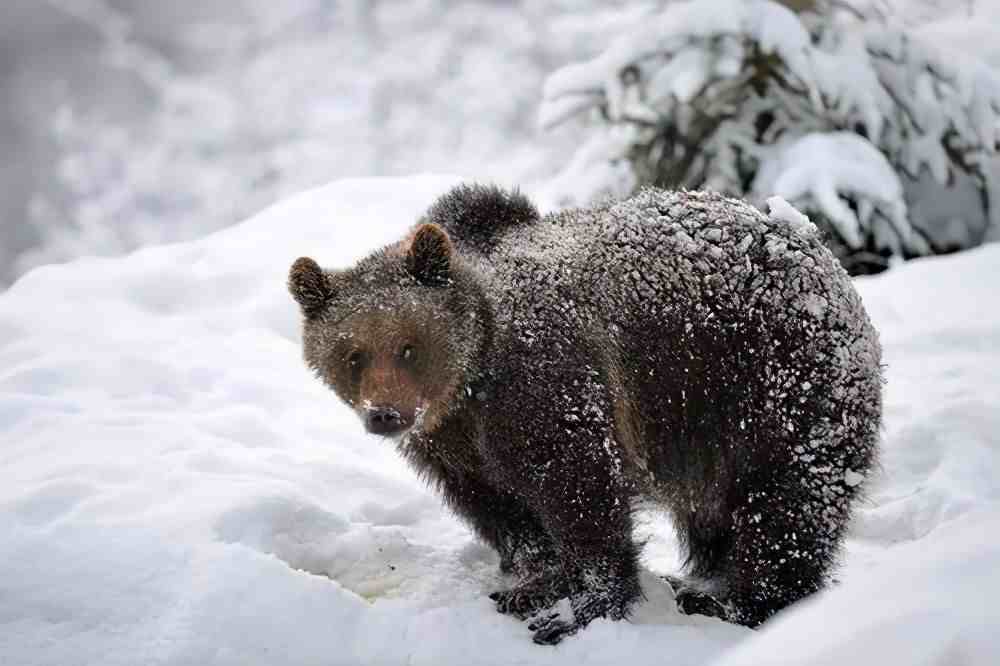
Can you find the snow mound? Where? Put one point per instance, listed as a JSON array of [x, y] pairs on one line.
[[932, 607], [176, 488]]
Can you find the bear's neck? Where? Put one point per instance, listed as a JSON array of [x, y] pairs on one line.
[[474, 387]]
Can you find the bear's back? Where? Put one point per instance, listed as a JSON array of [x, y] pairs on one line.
[[659, 261], [673, 250]]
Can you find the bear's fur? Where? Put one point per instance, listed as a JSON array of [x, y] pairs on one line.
[[546, 374]]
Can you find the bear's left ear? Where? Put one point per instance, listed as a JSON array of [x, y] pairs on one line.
[[429, 257]]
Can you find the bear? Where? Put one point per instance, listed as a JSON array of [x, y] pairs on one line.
[[550, 375]]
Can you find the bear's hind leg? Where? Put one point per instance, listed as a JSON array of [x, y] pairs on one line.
[[708, 544], [785, 543]]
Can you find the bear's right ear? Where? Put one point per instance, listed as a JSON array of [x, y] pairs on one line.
[[309, 286]]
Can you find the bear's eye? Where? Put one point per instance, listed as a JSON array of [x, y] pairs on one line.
[[357, 361], [407, 353]]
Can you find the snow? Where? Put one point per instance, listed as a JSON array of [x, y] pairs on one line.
[[817, 168], [176, 488], [783, 212], [974, 33], [214, 119]]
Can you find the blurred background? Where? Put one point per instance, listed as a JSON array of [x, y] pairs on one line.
[[131, 122]]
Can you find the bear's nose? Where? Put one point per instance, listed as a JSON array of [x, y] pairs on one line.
[[383, 421]]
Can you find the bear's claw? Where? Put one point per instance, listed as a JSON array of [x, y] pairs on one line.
[[551, 630]]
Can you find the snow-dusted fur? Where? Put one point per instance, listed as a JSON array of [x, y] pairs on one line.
[[676, 347]]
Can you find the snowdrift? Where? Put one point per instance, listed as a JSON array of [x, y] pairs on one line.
[[175, 487]]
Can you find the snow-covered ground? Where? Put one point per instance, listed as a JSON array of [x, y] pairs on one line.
[[176, 488]]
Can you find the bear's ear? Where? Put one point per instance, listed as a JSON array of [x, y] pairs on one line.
[[309, 286], [429, 257]]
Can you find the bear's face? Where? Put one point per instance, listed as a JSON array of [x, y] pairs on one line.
[[391, 336], [390, 363]]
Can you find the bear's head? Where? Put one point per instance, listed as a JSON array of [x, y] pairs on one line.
[[397, 335]]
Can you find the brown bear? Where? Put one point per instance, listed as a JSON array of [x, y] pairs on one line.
[[549, 374]]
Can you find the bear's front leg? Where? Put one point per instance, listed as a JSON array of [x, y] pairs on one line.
[[527, 550], [449, 458], [562, 460], [501, 520]]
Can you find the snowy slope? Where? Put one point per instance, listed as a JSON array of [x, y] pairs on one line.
[[175, 487]]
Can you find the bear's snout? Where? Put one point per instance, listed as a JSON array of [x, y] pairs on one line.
[[385, 421]]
